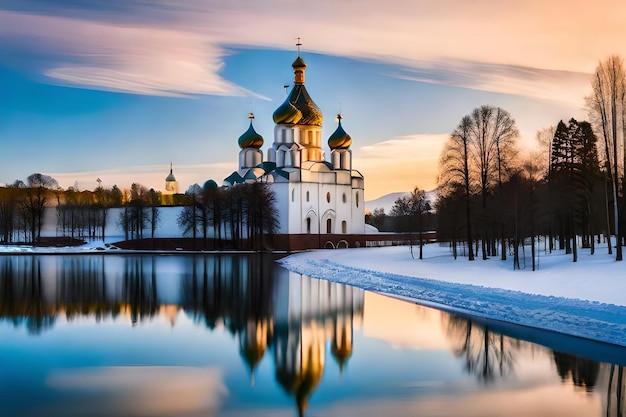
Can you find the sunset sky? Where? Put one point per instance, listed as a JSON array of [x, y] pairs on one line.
[[117, 89]]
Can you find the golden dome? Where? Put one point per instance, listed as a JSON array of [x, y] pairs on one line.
[[299, 108], [339, 139], [287, 113], [250, 138]]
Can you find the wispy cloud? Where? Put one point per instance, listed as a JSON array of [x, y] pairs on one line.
[[551, 85], [132, 59], [535, 48]]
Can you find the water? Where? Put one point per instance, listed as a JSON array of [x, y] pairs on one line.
[[235, 335]]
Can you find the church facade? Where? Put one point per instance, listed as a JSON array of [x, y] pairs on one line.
[[313, 196]]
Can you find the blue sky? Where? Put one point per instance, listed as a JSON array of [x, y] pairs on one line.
[[118, 89]]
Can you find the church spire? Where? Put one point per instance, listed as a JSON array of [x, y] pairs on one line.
[[299, 66]]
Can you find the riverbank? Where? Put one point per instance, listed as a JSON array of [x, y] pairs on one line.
[[585, 299]]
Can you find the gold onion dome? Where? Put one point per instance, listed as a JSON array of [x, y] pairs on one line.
[[299, 108], [287, 113], [250, 138], [339, 139]]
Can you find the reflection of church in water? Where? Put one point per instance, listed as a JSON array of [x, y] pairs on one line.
[[308, 313], [276, 315], [292, 316]]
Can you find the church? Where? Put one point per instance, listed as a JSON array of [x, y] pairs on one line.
[[320, 203]]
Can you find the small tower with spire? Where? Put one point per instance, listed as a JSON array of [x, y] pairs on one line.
[[171, 187], [250, 143]]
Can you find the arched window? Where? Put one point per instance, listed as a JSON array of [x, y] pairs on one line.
[[328, 197], [329, 225], [343, 197], [308, 225], [357, 198], [293, 195], [307, 196], [344, 227]]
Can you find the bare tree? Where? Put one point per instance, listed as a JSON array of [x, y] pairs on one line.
[[606, 107], [134, 217], [533, 167], [492, 148], [413, 207], [39, 187], [544, 140], [154, 200], [377, 218], [455, 172]]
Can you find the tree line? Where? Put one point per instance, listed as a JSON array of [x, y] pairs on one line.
[[494, 201], [236, 217], [242, 216]]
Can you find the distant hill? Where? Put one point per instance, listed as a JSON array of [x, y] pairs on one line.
[[388, 200]]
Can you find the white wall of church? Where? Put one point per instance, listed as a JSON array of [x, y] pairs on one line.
[[358, 211], [282, 193], [319, 202]]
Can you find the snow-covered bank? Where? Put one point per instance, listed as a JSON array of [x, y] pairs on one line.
[[586, 299]]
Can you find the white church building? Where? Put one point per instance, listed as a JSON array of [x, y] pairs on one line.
[[313, 196]]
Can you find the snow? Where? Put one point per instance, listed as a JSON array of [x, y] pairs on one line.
[[585, 299]]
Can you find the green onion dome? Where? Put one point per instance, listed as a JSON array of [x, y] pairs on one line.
[[287, 113], [250, 138], [210, 185], [339, 139]]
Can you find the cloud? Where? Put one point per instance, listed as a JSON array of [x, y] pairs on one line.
[[565, 87], [163, 47], [400, 163], [131, 59]]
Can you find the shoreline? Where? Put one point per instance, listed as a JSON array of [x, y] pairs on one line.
[[482, 289]]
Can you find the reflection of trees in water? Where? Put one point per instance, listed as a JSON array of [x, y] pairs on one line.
[[78, 287], [583, 372], [140, 288], [82, 288], [486, 354], [235, 291], [22, 296], [615, 387], [229, 290]]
